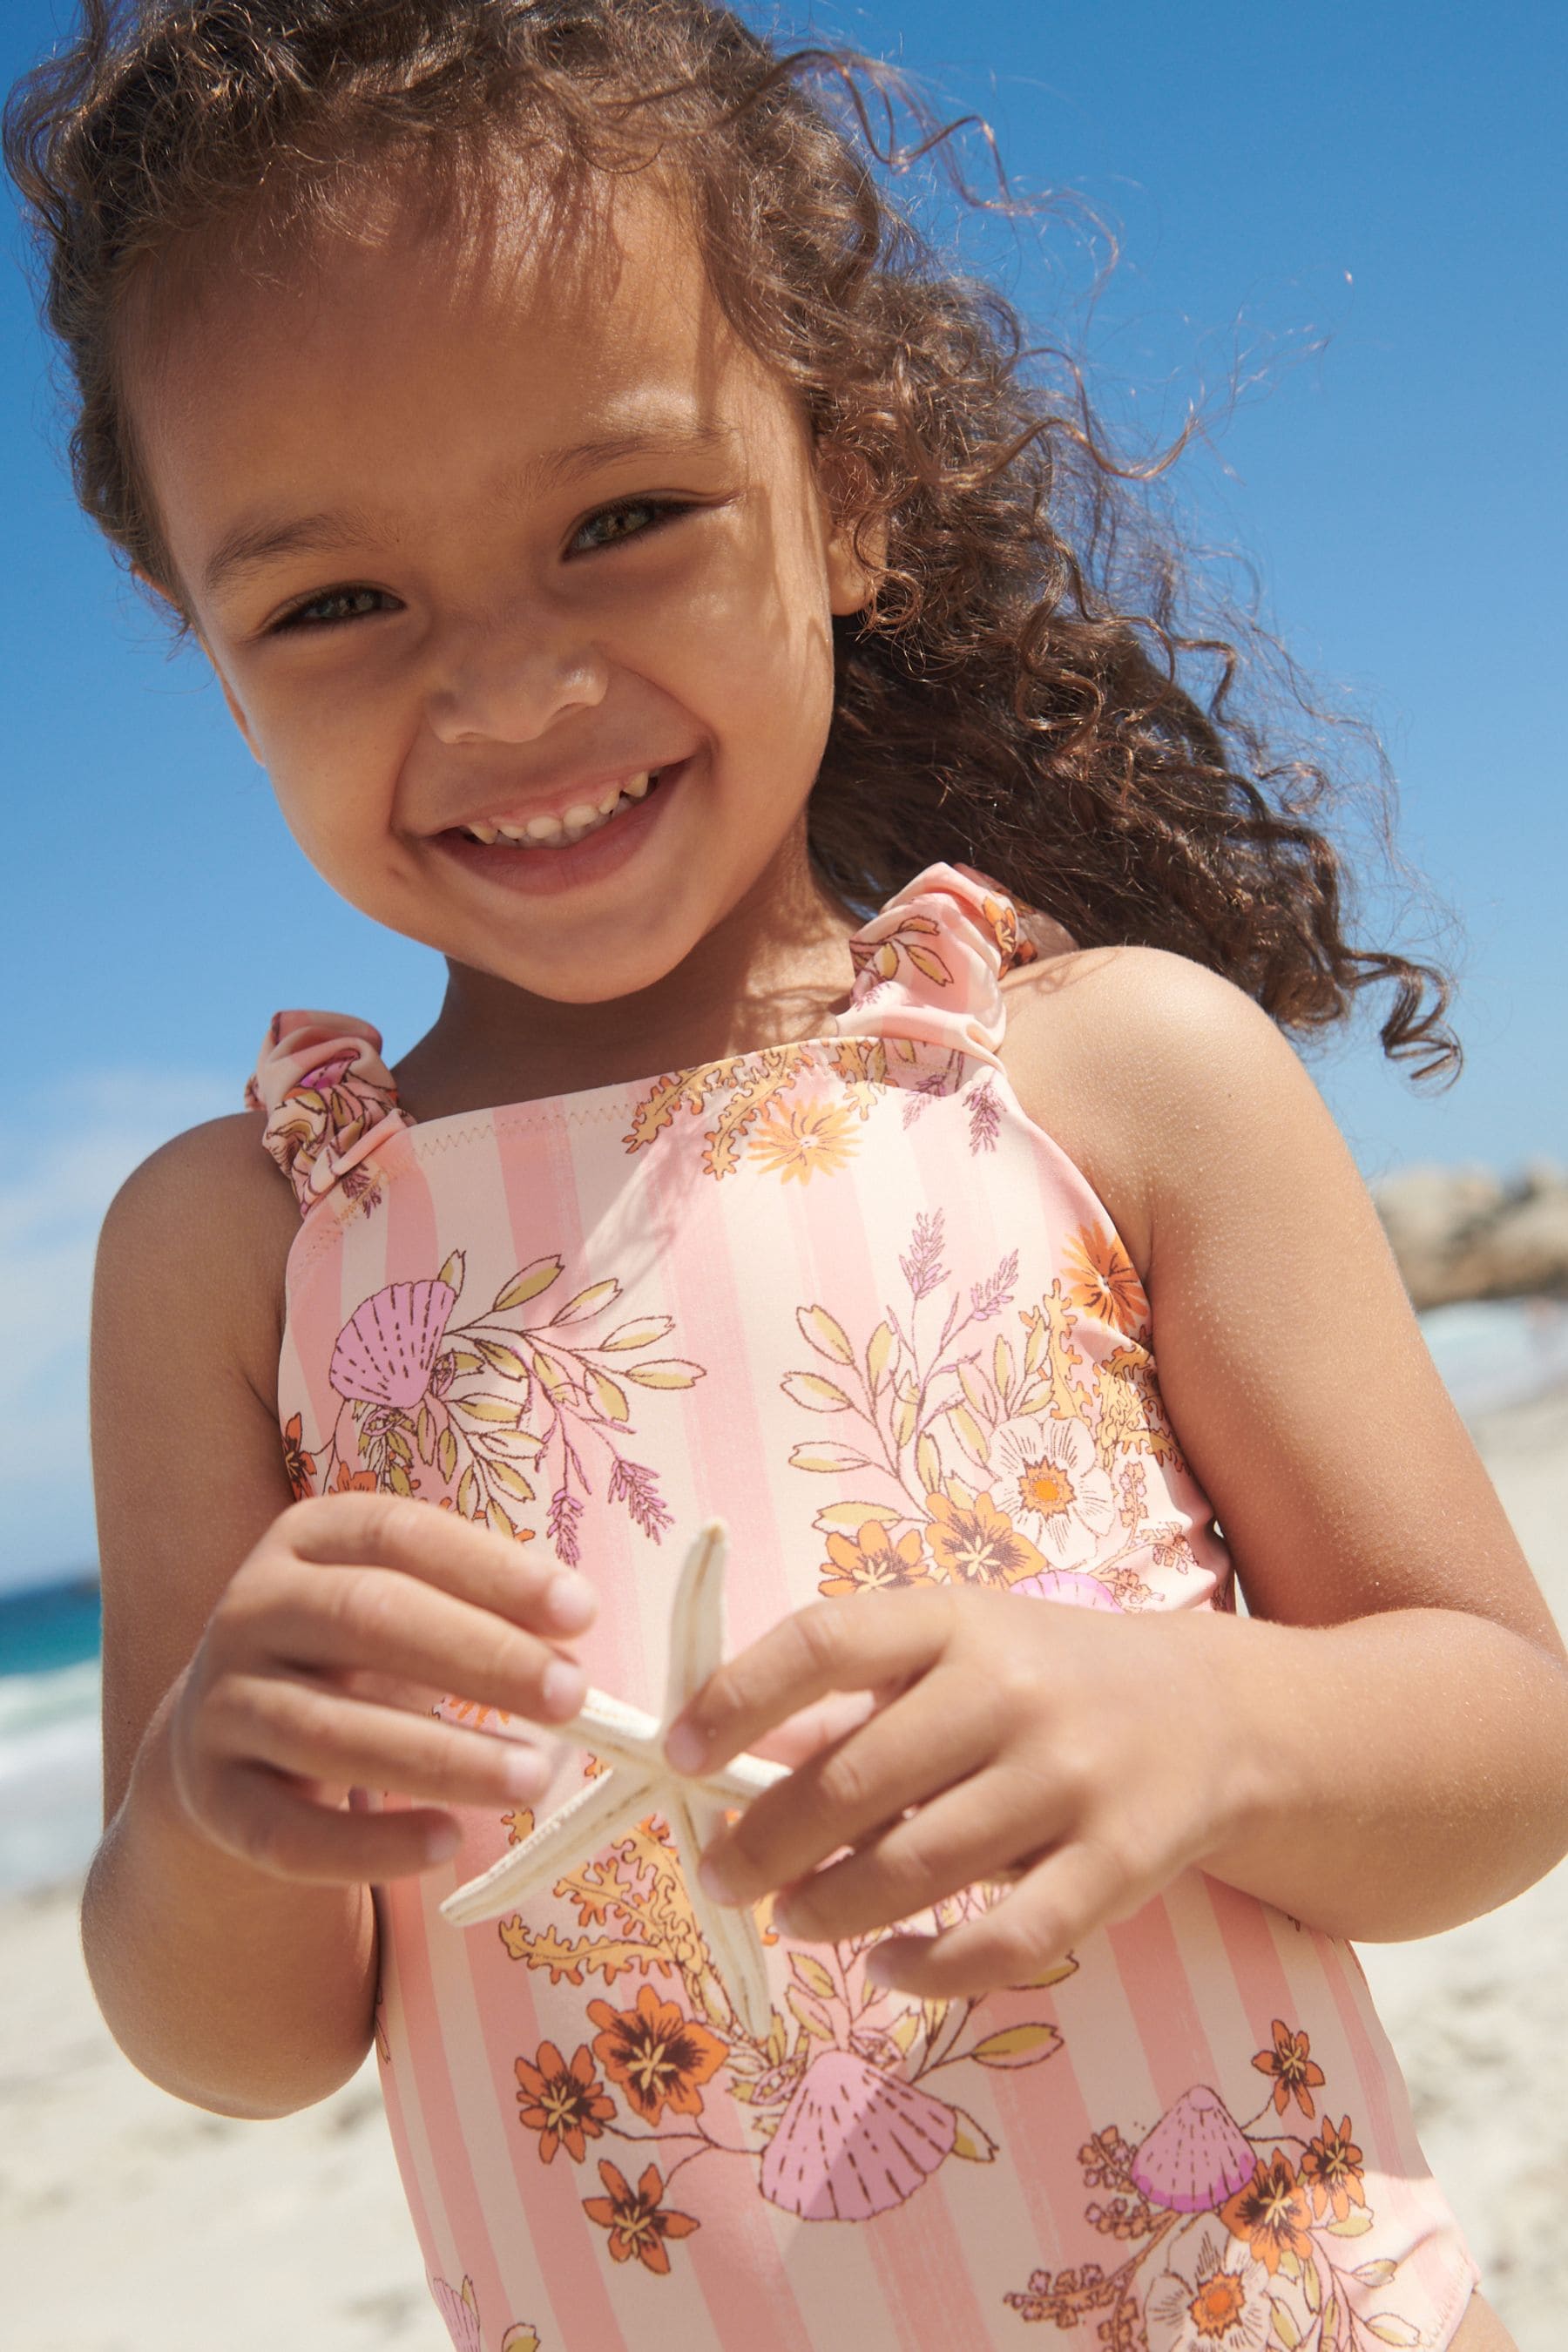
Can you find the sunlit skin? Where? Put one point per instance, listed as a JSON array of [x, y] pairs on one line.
[[456, 638]]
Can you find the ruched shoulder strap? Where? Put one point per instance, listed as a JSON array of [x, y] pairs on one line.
[[330, 1103], [931, 963]]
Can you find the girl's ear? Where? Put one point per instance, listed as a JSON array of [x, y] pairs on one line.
[[849, 583]]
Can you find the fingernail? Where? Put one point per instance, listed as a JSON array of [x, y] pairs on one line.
[[570, 1602], [878, 1968], [685, 1748], [525, 1772], [562, 1688], [442, 1841], [716, 1880]]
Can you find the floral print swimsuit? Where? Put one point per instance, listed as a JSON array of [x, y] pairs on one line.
[[847, 1297]]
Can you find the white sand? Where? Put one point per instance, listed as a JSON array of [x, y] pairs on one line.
[[130, 2224]]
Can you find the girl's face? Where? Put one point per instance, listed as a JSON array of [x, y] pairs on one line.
[[477, 545]]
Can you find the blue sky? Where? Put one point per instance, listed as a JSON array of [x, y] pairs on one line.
[[1365, 204]]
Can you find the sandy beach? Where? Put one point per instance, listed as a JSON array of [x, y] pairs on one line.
[[131, 2223]]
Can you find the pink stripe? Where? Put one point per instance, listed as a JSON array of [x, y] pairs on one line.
[[920, 2261], [1149, 1961], [472, 2252], [508, 2021]]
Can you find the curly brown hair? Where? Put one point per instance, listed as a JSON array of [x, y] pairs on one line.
[[1024, 690]]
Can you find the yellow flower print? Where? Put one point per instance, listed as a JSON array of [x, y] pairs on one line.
[[808, 1136]]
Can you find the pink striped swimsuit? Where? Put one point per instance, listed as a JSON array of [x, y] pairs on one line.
[[847, 1297]]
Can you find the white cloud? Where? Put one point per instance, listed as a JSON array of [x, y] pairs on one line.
[[73, 1145]]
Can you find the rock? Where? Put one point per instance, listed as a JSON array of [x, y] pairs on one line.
[[1463, 1233]]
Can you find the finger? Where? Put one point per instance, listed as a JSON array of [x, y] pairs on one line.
[[472, 1563], [933, 1737], [385, 1621], [973, 1830], [805, 1735], [1079, 1886], [851, 1645], [314, 1733], [260, 1817]]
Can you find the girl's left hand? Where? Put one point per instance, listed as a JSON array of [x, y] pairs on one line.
[[1013, 1736]]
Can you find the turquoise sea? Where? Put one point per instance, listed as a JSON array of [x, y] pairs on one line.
[[1492, 1356]]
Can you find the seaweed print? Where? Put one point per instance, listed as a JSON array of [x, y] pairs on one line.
[[1242, 2236], [480, 1416], [978, 1449], [841, 2109]]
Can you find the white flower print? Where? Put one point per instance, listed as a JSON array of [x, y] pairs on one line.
[[1221, 2306], [1051, 1484]]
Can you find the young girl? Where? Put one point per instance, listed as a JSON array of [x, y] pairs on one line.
[[647, 579]]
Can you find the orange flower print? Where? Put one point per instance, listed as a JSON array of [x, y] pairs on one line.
[[1292, 2069], [1271, 2214], [638, 2224], [1104, 1280], [561, 2103], [872, 1562], [299, 1465], [353, 1482], [658, 2055], [1331, 2171], [798, 1143], [976, 1544]]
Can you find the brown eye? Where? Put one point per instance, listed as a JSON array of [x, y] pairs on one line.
[[622, 521], [334, 606]]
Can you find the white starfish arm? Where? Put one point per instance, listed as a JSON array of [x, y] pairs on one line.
[[587, 1820], [697, 1618], [611, 1726], [729, 1931]]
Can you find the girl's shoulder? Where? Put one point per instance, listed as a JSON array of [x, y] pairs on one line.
[[197, 1240], [1157, 1077]]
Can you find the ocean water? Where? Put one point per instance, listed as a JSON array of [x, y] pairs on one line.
[[1493, 1356]]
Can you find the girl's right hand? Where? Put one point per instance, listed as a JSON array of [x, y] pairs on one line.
[[320, 1667]]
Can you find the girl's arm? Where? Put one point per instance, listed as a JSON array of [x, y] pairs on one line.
[[1400, 1683], [1379, 1750], [232, 1989], [260, 1658]]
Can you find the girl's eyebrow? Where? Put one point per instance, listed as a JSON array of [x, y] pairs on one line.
[[258, 540]]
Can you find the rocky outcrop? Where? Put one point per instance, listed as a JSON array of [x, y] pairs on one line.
[[1465, 1233]]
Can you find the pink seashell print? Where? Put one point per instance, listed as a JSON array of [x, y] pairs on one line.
[[1197, 2156], [384, 1351], [1067, 1584], [461, 2313], [854, 2141]]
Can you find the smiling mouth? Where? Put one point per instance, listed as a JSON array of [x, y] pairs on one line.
[[571, 825]]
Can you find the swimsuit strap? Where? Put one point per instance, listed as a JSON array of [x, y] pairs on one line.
[[930, 964], [330, 1102]]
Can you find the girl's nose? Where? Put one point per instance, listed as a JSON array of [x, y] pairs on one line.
[[506, 684]]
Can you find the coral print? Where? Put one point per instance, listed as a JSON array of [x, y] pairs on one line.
[[984, 1447], [485, 1414], [1253, 2229]]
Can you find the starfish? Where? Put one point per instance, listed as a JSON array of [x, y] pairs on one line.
[[640, 1781]]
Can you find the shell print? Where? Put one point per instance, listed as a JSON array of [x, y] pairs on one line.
[[853, 2141], [385, 1350], [1197, 2156]]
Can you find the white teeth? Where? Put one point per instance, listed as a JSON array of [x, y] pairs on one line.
[[579, 821]]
